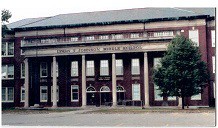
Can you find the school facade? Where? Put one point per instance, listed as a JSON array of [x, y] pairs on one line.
[[100, 58]]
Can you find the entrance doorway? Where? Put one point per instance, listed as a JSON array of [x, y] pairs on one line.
[[120, 95], [91, 95], [105, 95]]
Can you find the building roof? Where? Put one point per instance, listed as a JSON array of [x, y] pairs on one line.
[[113, 16]]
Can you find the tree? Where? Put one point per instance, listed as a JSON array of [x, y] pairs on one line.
[[6, 15], [181, 72]]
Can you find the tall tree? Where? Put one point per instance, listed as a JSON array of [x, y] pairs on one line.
[[181, 72], [6, 15]]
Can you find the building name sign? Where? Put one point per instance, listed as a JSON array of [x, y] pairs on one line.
[[100, 49]]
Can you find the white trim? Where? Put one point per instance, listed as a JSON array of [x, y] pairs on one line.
[[138, 94], [102, 62], [90, 91], [21, 89], [196, 97], [213, 38], [214, 64], [105, 87], [87, 64], [75, 92], [117, 60], [6, 95], [138, 73], [21, 74], [121, 90], [46, 88]]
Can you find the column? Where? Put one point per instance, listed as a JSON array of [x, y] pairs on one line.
[[146, 82], [180, 102], [83, 81], [54, 83], [114, 81], [26, 84]]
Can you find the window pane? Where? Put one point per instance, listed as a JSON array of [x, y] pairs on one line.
[[135, 67], [3, 94], [90, 68], [43, 69], [4, 49], [157, 62], [119, 67], [193, 35], [10, 94], [75, 92], [156, 93], [74, 68], [213, 38], [22, 93], [136, 92], [4, 71], [44, 93], [22, 70], [104, 67], [10, 71], [10, 48]]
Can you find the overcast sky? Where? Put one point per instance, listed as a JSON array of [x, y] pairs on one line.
[[22, 9]]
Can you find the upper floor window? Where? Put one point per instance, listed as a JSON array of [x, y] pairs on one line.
[[43, 69], [117, 36], [43, 93], [134, 35], [104, 37], [8, 71], [214, 63], [7, 49], [90, 69], [89, 38], [22, 71], [163, 33], [193, 35], [52, 69], [74, 68], [74, 39], [213, 38], [104, 71], [7, 94], [119, 67], [135, 67]]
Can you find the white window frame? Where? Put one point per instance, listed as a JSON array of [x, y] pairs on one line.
[[213, 38], [41, 88], [44, 69], [194, 36], [74, 100], [214, 64], [89, 65], [103, 37], [6, 94], [119, 65], [7, 67], [21, 95], [22, 67], [139, 95], [57, 72], [57, 92], [76, 68], [104, 66], [7, 49], [133, 65]]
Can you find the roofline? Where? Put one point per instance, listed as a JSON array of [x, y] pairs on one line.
[[114, 22]]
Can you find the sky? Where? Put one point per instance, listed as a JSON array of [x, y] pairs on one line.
[[22, 9]]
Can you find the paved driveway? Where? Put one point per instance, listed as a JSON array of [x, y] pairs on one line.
[[76, 118]]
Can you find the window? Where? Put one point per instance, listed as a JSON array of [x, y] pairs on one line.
[[43, 93], [104, 68], [213, 38], [196, 97], [134, 35], [214, 89], [74, 68], [8, 71], [75, 93], [163, 33], [7, 94], [22, 94], [43, 69], [213, 63], [7, 49], [57, 92], [136, 92], [90, 71], [157, 62], [104, 37], [193, 35], [117, 36], [74, 39], [135, 67], [119, 67], [22, 70], [52, 69], [89, 38]]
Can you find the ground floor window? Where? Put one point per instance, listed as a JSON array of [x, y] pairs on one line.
[[57, 93], [136, 92], [157, 93], [214, 90], [43, 93], [196, 97], [171, 98], [7, 94], [74, 93], [22, 94]]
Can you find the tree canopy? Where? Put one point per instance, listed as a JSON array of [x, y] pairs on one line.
[[181, 72], [6, 15]]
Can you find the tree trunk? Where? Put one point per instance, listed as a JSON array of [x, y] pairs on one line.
[[183, 102]]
